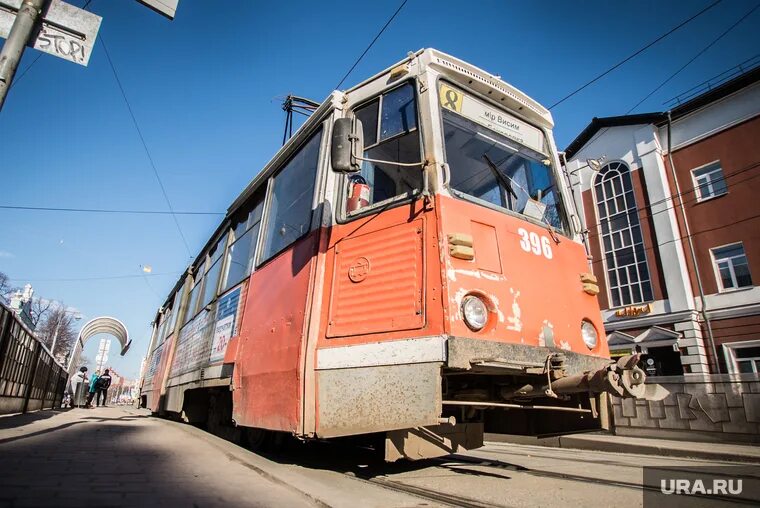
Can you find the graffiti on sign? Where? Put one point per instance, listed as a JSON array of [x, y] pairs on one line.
[[63, 46]]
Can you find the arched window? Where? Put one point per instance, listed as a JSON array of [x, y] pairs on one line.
[[624, 256]]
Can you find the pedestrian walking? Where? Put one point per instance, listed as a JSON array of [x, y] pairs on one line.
[[76, 380], [93, 388], [104, 381]]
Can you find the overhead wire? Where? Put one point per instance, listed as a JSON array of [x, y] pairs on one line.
[[387, 23], [638, 210], [603, 131], [105, 210], [84, 279], [636, 53], [684, 237], [714, 41], [145, 146]]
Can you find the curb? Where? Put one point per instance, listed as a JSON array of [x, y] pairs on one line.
[[611, 445]]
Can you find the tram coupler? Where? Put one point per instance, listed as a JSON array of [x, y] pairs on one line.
[[622, 378]]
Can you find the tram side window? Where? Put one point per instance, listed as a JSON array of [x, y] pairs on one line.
[[175, 310], [292, 195], [192, 302], [164, 329], [390, 134], [213, 272], [241, 253]]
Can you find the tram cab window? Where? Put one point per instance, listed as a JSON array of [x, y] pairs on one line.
[[487, 165], [289, 216], [390, 134], [242, 249]]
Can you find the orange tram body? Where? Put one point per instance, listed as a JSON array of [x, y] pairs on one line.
[[409, 264]]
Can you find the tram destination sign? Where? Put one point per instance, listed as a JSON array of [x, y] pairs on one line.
[[492, 118], [67, 32]]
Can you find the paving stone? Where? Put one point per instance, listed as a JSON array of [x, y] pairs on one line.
[[656, 410], [739, 423], [673, 419], [733, 392], [629, 408], [752, 406]]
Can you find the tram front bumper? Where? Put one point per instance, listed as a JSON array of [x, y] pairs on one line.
[[570, 372]]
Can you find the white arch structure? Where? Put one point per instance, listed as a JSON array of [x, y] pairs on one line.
[[103, 324]]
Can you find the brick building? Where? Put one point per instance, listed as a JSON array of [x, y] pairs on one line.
[[676, 248]]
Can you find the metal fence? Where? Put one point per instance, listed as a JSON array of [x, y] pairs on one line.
[[30, 378]]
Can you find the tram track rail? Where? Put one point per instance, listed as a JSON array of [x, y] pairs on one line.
[[431, 495], [497, 464], [355, 466]]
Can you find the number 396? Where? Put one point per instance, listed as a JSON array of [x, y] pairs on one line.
[[538, 245]]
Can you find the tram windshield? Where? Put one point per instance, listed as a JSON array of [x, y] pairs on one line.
[[499, 159]]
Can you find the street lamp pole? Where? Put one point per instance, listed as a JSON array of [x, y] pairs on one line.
[[27, 19]]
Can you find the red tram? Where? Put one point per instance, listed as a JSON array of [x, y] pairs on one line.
[[409, 263]]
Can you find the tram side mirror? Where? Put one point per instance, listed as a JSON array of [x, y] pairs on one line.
[[347, 145]]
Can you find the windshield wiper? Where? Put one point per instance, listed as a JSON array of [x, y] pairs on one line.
[[501, 177]]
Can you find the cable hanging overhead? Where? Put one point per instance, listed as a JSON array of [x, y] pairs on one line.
[[638, 52], [337, 87], [145, 146]]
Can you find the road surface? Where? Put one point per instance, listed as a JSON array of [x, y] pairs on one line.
[[123, 457]]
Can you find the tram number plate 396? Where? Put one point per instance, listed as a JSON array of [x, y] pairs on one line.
[[532, 242]]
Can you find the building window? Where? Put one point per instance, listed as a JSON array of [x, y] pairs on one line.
[[731, 267], [709, 182], [744, 358], [622, 242]]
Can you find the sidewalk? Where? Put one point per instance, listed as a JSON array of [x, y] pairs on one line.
[[118, 457], [643, 446], [122, 457]]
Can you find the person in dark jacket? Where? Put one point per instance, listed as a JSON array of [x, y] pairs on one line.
[[104, 381]]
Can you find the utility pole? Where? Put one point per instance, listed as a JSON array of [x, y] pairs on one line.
[[27, 20]]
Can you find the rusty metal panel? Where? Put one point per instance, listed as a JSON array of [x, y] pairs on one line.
[[388, 352], [538, 299], [464, 353], [434, 441], [378, 285], [375, 399]]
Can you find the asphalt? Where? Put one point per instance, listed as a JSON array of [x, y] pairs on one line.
[[122, 457]]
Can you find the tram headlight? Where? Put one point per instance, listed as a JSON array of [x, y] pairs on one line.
[[588, 332], [475, 312]]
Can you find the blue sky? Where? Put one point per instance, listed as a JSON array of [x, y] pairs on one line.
[[205, 90]]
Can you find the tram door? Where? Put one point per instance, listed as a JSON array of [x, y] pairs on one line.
[[267, 376]]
